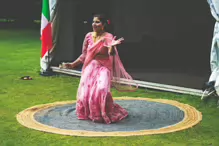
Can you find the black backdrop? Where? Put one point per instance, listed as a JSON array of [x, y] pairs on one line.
[[160, 36]]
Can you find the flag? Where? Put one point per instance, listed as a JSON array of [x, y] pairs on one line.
[[46, 36]]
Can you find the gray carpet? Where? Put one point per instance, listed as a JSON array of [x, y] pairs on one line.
[[143, 115]]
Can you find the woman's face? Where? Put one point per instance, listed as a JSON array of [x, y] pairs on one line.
[[97, 25]]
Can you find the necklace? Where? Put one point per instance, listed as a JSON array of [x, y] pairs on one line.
[[97, 36]]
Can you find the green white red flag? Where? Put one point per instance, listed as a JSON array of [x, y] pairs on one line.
[[46, 33]]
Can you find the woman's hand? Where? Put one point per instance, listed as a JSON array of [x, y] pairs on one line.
[[116, 42], [66, 66], [113, 41]]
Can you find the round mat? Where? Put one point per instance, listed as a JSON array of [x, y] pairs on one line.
[[146, 116]]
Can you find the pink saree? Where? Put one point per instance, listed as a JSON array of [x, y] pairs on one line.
[[94, 99]]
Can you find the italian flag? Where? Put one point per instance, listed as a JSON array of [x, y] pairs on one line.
[[46, 36]]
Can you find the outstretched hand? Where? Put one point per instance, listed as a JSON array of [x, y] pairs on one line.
[[116, 42], [66, 66]]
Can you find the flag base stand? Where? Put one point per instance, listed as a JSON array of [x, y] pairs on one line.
[[47, 73]]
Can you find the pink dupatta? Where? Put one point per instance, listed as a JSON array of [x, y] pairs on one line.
[[121, 80]]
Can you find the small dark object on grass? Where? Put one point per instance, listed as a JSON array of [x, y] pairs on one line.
[[26, 78]]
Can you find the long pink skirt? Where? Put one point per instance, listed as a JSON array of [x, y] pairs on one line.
[[95, 100]]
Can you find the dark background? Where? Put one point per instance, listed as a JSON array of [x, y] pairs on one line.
[[24, 12]]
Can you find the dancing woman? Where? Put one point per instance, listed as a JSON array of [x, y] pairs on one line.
[[102, 69]]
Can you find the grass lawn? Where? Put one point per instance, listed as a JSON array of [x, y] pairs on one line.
[[19, 56]]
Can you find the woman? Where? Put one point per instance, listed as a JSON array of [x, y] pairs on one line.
[[101, 64]]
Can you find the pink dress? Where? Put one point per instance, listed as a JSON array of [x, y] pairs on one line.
[[94, 99]]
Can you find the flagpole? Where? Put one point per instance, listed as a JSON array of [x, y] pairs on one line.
[[46, 39]]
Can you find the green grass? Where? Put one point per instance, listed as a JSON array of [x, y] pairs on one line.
[[20, 53]]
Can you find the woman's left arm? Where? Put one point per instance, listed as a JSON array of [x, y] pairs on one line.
[[111, 43]]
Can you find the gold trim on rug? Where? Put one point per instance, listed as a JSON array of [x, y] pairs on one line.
[[191, 118]]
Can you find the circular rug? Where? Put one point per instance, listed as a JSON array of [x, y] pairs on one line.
[[146, 116]]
